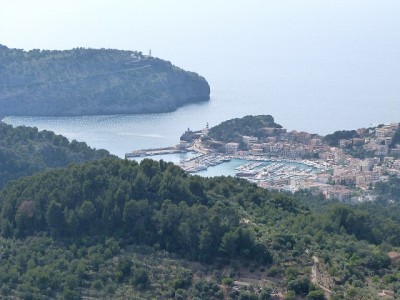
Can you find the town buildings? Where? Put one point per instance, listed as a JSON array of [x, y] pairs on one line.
[[347, 171]]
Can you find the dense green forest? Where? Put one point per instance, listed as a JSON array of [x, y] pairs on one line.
[[233, 129], [93, 81], [116, 228], [25, 150]]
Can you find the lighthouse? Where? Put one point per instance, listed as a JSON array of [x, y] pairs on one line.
[[204, 131]]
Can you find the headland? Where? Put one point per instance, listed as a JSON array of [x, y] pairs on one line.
[[93, 82]]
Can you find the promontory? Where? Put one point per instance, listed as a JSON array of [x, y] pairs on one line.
[[93, 81]]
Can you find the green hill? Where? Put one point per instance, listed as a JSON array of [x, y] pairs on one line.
[[25, 150], [117, 229], [232, 130], [93, 81]]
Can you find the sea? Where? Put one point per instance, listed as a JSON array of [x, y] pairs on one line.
[[317, 68], [311, 104]]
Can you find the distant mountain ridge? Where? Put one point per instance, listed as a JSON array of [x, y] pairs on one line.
[[93, 81]]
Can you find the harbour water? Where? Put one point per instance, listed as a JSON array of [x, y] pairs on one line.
[[226, 168], [223, 169], [231, 168]]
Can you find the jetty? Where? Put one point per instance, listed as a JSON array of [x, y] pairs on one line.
[[154, 151], [202, 162]]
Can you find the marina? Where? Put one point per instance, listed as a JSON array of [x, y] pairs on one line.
[[202, 162], [259, 169]]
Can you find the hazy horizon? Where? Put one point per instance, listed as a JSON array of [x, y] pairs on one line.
[[314, 65], [171, 28]]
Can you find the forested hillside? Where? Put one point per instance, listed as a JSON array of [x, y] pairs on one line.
[[93, 81], [118, 229], [25, 150]]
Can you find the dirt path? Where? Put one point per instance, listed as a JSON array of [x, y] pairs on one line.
[[314, 278], [225, 291]]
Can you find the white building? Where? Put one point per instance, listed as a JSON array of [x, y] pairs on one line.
[[248, 140], [231, 147], [205, 131]]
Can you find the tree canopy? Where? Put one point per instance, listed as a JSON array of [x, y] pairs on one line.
[[113, 228], [25, 150], [232, 130]]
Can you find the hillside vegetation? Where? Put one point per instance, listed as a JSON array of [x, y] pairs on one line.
[[93, 81], [233, 129], [333, 139], [94, 216], [118, 229], [25, 150]]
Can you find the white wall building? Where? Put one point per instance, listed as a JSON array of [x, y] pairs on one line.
[[231, 147]]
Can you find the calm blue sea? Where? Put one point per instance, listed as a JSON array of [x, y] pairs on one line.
[[316, 66]]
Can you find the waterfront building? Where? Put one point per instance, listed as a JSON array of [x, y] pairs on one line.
[[231, 147], [249, 140], [256, 151]]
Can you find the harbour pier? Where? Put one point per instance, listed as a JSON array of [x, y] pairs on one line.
[[202, 162], [154, 151]]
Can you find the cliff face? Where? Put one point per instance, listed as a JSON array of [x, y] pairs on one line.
[[88, 81]]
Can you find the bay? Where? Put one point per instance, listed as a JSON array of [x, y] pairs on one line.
[[319, 68]]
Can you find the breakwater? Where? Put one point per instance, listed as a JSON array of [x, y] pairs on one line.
[[154, 151]]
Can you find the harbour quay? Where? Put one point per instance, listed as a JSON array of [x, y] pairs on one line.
[[154, 151]]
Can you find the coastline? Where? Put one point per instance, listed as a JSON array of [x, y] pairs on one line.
[[122, 112]]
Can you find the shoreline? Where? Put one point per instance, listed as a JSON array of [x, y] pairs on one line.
[[121, 112]]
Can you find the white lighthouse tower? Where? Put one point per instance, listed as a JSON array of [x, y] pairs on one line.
[[205, 131]]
